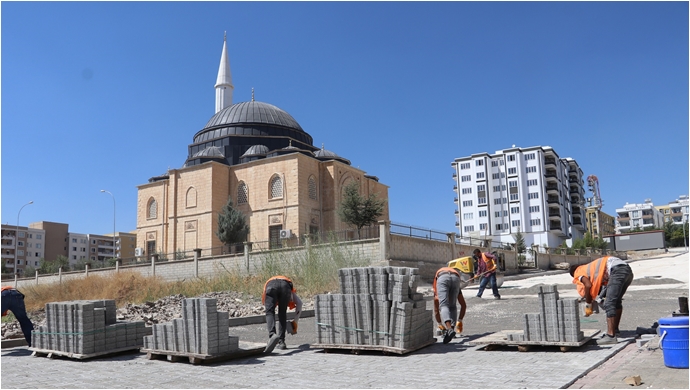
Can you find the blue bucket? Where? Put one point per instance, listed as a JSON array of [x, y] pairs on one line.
[[674, 341]]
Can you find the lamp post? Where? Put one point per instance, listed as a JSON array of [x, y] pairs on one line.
[[114, 250], [16, 239]]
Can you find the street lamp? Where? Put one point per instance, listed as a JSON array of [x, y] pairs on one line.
[[114, 251], [16, 239]]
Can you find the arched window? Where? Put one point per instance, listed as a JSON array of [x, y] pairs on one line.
[[152, 209], [191, 197], [242, 193], [276, 187], [312, 188]]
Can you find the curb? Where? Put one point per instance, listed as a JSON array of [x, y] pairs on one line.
[[12, 343], [241, 321]]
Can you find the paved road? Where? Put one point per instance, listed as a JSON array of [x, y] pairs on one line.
[[301, 367]]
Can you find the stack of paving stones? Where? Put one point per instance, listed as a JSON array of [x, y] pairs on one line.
[[378, 306], [86, 328], [557, 321], [202, 330]]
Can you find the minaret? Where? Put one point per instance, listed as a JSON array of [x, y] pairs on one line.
[[224, 85]]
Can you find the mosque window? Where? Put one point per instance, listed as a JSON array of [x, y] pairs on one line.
[[191, 197], [242, 193], [312, 188], [152, 209], [276, 187]]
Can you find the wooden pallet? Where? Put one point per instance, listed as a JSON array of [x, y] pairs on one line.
[[49, 353], [246, 349], [493, 340], [357, 348]]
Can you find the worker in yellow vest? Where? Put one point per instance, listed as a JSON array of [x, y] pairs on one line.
[[13, 301], [589, 278], [446, 291], [280, 292]]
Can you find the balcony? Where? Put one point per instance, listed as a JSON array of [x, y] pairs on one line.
[[553, 199], [457, 211], [549, 161], [7, 256], [577, 221], [552, 188], [456, 199], [622, 219], [554, 215], [455, 175], [455, 187], [555, 226], [5, 245]]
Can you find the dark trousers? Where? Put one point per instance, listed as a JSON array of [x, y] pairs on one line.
[[278, 293], [620, 278], [491, 278], [13, 301]]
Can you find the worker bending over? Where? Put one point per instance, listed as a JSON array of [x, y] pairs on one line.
[[446, 292], [279, 291], [607, 271], [13, 301]]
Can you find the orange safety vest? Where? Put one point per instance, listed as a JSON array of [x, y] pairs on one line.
[[596, 272], [490, 264], [444, 269], [4, 313], [292, 303]]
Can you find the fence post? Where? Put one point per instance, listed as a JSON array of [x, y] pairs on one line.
[[246, 255], [451, 241], [16, 276], [154, 258], [86, 270], [36, 276], [60, 274], [384, 237], [117, 265], [197, 254]]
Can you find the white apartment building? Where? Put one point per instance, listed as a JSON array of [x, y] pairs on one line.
[[78, 248], [532, 190], [679, 210], [640, 215], [21, 247]]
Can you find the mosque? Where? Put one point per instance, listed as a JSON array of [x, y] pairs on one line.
[[259, 156]]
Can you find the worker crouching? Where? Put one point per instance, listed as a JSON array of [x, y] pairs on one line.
[[447, 294], [279, 292]]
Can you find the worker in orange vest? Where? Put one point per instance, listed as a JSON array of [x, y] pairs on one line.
[[13, 301], [280, 292], [589, 278], [486, 268], [446, 291]]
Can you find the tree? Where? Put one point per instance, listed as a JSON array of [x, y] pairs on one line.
[[590, 242], [232, 226], [358, 210], [520, 246], [51, 267]]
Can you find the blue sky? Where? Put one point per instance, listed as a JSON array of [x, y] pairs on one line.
[[100, 95]]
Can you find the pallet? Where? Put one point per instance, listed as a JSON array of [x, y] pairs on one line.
[[357, 348], [49, 353], [246, 349], [494, 340]]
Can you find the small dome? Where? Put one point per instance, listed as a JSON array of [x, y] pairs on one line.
[[210, 152], [255, 150], [324, 155]]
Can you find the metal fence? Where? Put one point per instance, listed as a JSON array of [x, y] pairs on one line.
[[413, 231]]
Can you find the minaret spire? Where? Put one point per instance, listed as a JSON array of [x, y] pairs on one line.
[[224, 85]]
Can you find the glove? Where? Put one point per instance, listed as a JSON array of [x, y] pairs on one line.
[[588, 309], [441, 327], [458, 327], [294, 327]]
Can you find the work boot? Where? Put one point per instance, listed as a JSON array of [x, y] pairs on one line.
[[272, 342], [497, 297], [450, 334], [281, 344], [607, 340]]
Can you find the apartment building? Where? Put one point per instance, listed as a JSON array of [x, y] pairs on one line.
[[21, 247], [674, 211], [531, 190], [125, 244], [78, 248], [101, 247], [638, 215], [599, 223], [56, 237]]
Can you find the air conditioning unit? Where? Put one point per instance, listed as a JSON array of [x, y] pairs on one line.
[[138, 251], [285, 233]]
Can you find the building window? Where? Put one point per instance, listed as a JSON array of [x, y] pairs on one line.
[[74, 248], [494, 163], [466, 203], [20, 252], [466, 178], [276, 187], [531, 169], [242, 193], [479, 163], [499, 175], [533, 195], [74, 240], [469, 228], [531, 182], [74, 257], [533, 209], [468, 216], [515, 210], [535, 222], [152, 209], [512, 171], [512, 183], [312, 188], [515, 223], [467, 190], [465, 166], [191, 197], [480, 175], [635, 214], [511, 157], [482, 226], [22, 234], [481, 200], [497, 201], [529, 156], [482, 213], [481, 187], [513, 196]]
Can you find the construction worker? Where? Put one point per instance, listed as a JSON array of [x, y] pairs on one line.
[[13, 301], [486, 269], [280, 292], [607, 271], [446, 291]]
